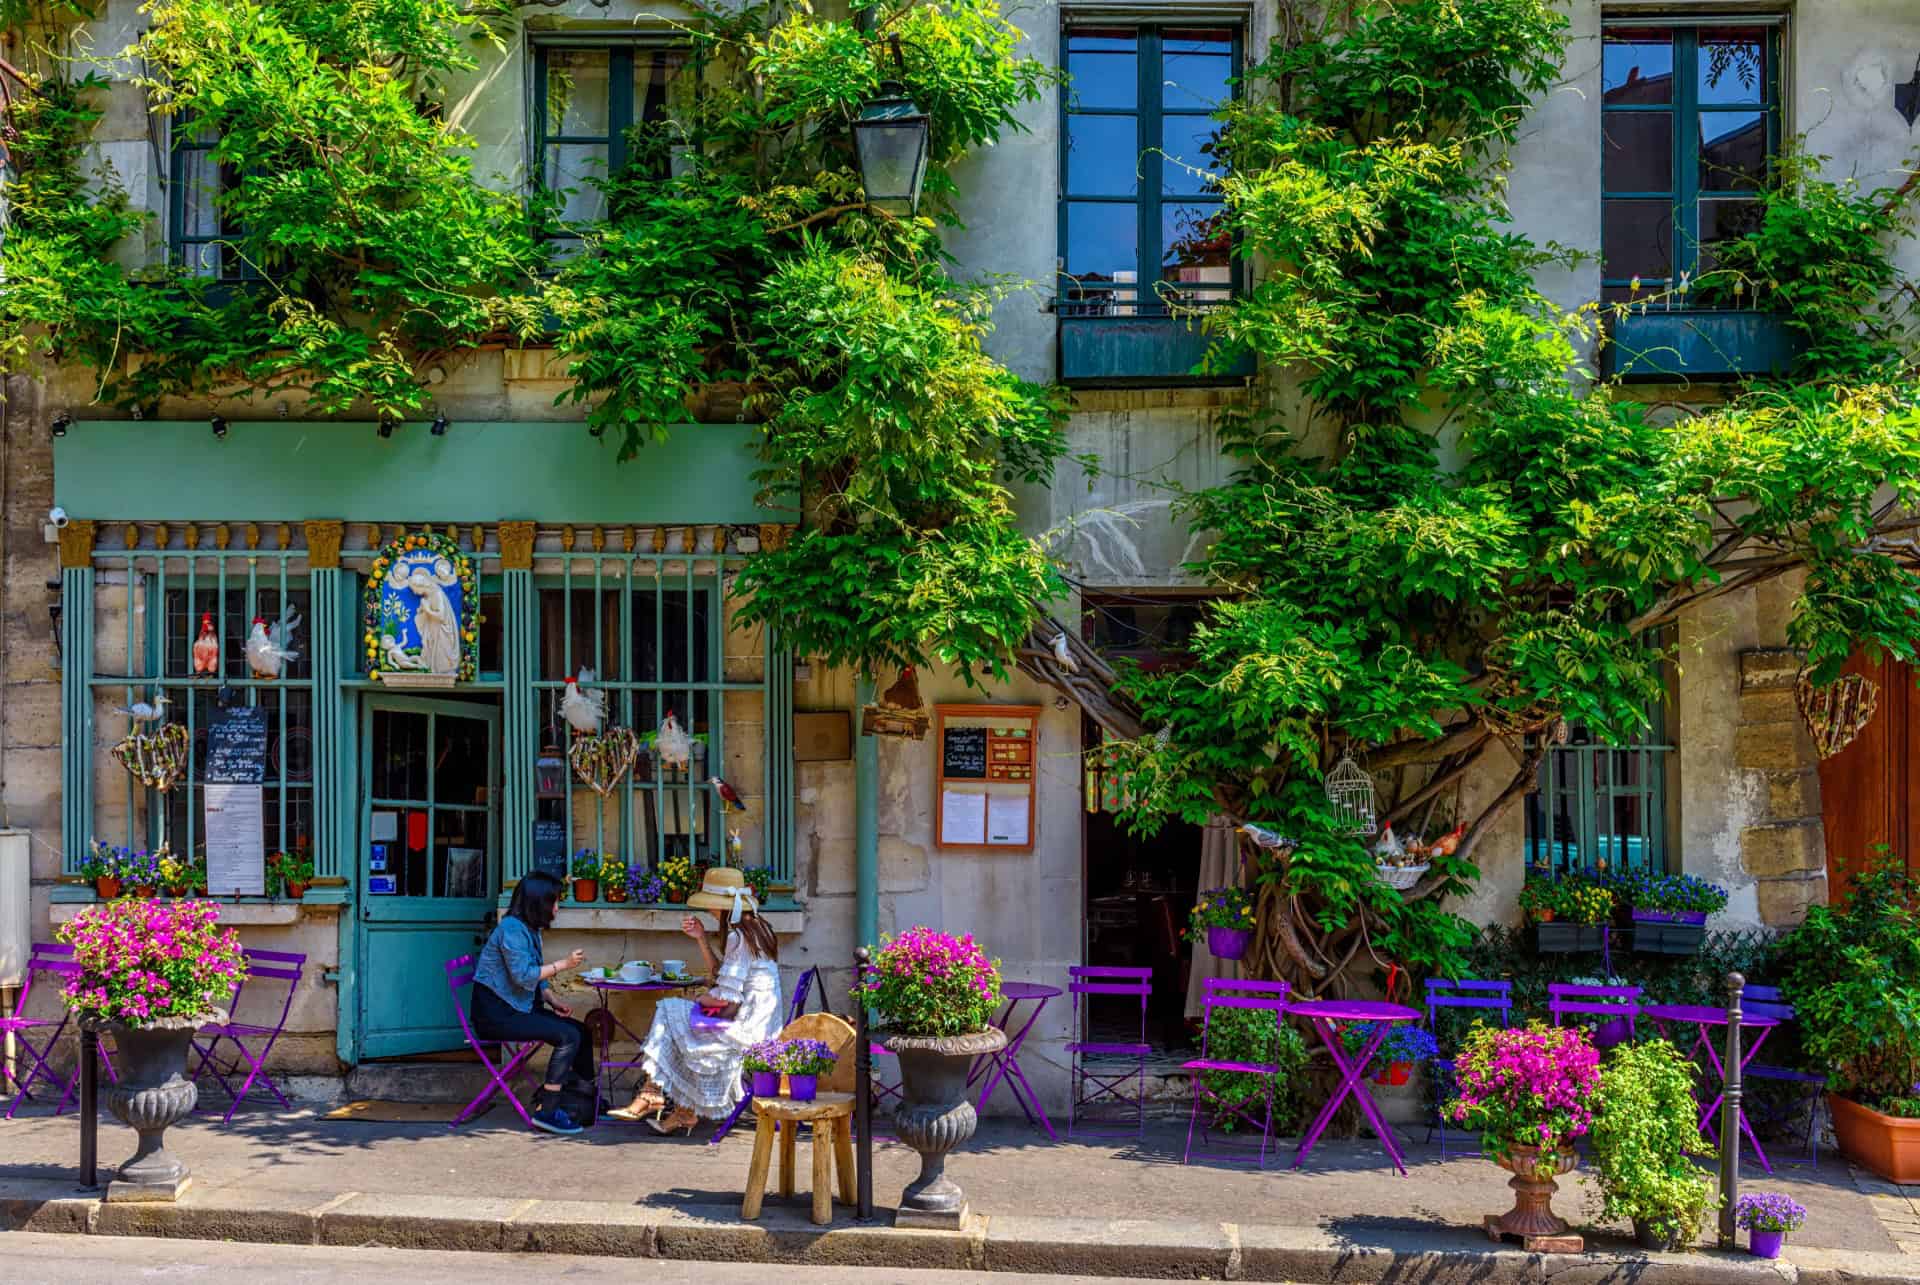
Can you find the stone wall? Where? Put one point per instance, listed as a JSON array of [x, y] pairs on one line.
[[1785, 851]]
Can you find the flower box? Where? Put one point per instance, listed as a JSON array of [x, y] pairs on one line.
[[1565, 939], [1668, 939], [1669, 916]]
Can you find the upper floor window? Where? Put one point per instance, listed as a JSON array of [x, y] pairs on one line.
[[197, 230], [1690, 126], [587, 99], [1600, 807]]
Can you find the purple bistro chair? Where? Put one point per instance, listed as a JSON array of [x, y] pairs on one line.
[[1470, 994], [1227, 993], [274, 965], [802, 988], [50, 967], [1619, 1004], [1109, 1084], [1766, 1001], [507, 1059]]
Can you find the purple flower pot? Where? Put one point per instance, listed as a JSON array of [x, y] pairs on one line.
[[1766, 1244], [1228, 943], [766, 1084], [1670, 916], [1608, 1034], [801, 1088]]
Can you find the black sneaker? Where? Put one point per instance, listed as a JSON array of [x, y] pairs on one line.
[[555, 1120]]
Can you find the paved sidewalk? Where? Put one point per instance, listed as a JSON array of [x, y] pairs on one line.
[[1121, 1207]]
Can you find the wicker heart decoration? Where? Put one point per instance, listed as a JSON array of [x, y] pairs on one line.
[[1836, 713], [601, 761], [157, 758]]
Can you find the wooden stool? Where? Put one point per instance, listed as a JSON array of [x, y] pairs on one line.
[[831, 1115]]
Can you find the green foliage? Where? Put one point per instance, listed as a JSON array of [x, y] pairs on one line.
[[1644, 1129], [1249, 1035]]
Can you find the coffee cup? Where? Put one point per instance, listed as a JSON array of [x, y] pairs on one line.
[[636, 970], [674, 967]]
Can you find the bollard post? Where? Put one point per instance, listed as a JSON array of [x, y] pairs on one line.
[[1730, 1114], [89, 1109], [862, 1090]]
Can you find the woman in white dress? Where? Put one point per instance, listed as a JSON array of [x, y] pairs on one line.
[[695, 1049]]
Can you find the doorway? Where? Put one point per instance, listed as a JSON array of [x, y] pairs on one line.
[[1868, 789], [429, 867]]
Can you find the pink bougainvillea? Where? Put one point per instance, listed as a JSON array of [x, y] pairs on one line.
[[144, 961], [1531, 1086], [926, 982]]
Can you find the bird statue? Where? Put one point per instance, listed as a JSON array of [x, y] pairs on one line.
[[1389, 846], [729, 797], [206, 648], [1266, 837], [269, 648], [1163, 737], [146, 711], [1062, 656], [584, 708], [1449, 843], [672, 746]]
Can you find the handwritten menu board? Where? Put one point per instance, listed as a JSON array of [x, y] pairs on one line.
[[550, 848], [237, 746], [963, 753], [986, 788]]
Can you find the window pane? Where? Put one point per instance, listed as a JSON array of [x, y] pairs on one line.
[[666, 614], [1104, 68], [577, 92], [460, 761], [1724, 220], [560, 611], [1196, 249], [654, 73], [1636, 239], [1195, 68], [1733, 66], [199, 178], [1637, 151], [1103, 155], [1103, 250], [571, 169], [1189, 167], [1636, 67], [1733, 151]]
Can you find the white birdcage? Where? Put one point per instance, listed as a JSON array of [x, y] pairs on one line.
[[1350, 791]]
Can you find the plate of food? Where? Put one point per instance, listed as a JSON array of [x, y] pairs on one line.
[[595, 974]]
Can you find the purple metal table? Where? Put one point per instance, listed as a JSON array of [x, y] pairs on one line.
[[1701, 1017], [1326, 1016], [603, 1023], [1005, 1065]]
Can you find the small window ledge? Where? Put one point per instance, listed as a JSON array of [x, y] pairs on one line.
[[238, 914], [1664, 346], [632, 919]]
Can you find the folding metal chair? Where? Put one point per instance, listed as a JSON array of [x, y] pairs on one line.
[[1573, 999], [1447, 994], [273, 965], [50, 967], [1108, 1084], [508, 1056], [1766, 1001], [1225, 993]]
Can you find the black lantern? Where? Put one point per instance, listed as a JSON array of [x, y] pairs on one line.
[[891, 138]]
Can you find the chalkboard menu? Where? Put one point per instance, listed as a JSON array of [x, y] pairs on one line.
[[963, 752], [237, 746], [550, 848]]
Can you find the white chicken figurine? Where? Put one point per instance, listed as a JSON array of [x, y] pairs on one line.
[[583, 707], [1389, 848], [1063, 655], [672, 746], [206, 648], [269, 648]]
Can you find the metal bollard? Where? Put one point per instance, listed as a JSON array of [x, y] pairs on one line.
[[1730, 1114], [89, 1110], [862, 1090]]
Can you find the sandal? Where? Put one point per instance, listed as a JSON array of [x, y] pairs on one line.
[[644, 1105], [681, 1121]]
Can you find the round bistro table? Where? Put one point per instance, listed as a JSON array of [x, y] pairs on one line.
[[603, 1023], [1326, 1016]]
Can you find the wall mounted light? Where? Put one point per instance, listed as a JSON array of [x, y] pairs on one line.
[[890, 138], [220, 427], [439, 426], [387, 424], [61, 423]]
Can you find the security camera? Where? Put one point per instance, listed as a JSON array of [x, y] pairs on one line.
[[58, 516]]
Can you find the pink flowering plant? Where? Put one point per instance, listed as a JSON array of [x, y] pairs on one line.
[[1531, 1086], [930, 983], [142, 962]]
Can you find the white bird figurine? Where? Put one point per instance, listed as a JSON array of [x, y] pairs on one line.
[[269, 648], [672, 746], [1062, 656], [206, 648], [1163, 737], [729, 797], [1389, 845], [146, 711], [583, 707], [1265, 837]]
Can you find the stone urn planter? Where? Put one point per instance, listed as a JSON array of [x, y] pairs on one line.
[[152, 1092], [1532, 1219], [934, 1117]]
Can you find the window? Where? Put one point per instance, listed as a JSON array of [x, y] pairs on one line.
[[587, 99], [1690, 124], [1142, 223], [196, 227], [1600, 807]]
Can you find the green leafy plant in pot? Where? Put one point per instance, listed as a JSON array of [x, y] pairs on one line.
[[936, 995], [1645, 1127]]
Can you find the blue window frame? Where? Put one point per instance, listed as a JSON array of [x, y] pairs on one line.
[[1690, 127], [1600, 807], [199, 236], [587, 98]]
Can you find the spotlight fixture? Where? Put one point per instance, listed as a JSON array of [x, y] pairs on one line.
[[387, 425], [61, 423], [220, 427], [439, 426]]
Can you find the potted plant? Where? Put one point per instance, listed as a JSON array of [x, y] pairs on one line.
[[803, 1062], [293, 871], [1402, 1048], [176, 875], [1606, 1031], [102, 866], [1645, 1127], [150, 975], [1841, 970], [677, 873], [644, 887], [1224, 916], [936, 995], [1767, 1217], [586, 875], [760, 879], [613, 876], [197, 877], [1569, 913], [761, 1066], [1529, 1093], [140, 871], [1669, 912]]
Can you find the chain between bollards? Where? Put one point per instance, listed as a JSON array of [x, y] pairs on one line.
[[1730, 1114], [862, 1090], [89, 1110]]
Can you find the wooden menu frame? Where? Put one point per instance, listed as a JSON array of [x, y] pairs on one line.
[[1008, 767]]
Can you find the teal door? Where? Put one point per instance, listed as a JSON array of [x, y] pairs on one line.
[[429, 863]]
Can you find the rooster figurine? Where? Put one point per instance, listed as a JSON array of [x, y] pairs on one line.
[[729, 797], [583, 708], [269, 648], [672, 746], [206, 648], [1449, 843]]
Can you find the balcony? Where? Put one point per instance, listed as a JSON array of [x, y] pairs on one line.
[[1109, 339]]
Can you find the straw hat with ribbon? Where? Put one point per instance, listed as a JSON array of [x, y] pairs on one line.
[[726, 889]]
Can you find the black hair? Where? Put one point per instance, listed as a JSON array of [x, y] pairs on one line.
[[534, 899]]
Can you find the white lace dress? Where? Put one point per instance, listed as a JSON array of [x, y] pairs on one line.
[[699, 1067]]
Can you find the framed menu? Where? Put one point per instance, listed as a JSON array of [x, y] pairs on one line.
[[987, 765]]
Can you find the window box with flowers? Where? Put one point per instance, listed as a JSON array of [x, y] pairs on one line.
[[1569, 913], [1670, 912]]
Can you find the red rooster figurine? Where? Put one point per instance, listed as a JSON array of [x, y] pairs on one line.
[[1449, 843], [206, 648]]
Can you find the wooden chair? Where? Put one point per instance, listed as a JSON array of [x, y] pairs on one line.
[[830, 1114]]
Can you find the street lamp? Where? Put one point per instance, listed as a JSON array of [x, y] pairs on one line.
[[890, 135]]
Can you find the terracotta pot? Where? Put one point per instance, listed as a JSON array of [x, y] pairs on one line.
[[616, 892], [177, 891], [1394, 1073], [935, 1116], [677, 896], [146, 893], [295, 891], [1533, 1187], [106, 889], [586, 890], [1886, 1144]]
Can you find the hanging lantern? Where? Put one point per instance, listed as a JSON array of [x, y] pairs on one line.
[[890, 136], [1350, 792], [549, 774]]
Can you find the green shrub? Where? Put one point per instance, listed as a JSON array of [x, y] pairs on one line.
[[1645, 1127], [1248, 1035]]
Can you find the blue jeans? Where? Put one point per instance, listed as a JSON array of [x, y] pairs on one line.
[[495, 1019]]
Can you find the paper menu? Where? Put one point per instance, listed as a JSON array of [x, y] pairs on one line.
[[963, 817], [1007, 819]]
